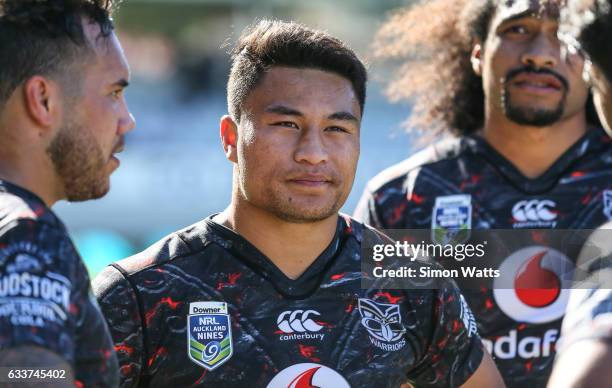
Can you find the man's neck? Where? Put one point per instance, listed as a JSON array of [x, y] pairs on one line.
[[533, 150], [292, 247], [33, 180]]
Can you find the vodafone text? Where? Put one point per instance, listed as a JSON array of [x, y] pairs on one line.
[[510, 346]]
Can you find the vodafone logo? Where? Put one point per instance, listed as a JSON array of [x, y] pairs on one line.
[[298, 321], [534, 213], [534, 284], [308, 375]]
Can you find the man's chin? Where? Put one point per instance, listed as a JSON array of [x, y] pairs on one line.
[[305, 215], [88, 192], [537, 116]]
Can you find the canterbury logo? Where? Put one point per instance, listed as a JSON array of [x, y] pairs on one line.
[[534, 210], [298, 321]]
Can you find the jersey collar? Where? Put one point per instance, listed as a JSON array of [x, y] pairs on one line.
[[298, 288], [591, 142], [8, 187]]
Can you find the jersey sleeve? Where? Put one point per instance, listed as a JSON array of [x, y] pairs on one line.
[[41, 288], [119, 304], [589, 310], [455, 350]]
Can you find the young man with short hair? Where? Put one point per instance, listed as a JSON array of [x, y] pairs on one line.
[[268, 292]]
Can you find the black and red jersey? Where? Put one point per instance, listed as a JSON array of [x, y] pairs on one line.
[[204, 307], [589, 310], [45, 293], [461, 184]]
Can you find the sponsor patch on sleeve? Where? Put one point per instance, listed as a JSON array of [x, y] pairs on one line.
[[30, 293]]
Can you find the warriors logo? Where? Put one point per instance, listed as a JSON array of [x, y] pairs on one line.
[[383, 322]]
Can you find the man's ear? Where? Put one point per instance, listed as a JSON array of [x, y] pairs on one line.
[[228, 130], [42, 102], [476, 58]]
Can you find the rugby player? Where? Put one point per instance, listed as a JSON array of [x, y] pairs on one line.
[[526, 155], [268, 292], [62, 118], [585, 354]]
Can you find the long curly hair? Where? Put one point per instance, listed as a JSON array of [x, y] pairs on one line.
[[431, 41], [590, 23]]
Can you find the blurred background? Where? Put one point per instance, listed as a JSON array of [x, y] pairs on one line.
[[173, 171]]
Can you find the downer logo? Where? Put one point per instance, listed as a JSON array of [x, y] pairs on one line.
[[208, 308]]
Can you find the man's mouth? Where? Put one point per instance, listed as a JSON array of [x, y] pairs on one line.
[[537, 82], [118, 148], [311, 180]]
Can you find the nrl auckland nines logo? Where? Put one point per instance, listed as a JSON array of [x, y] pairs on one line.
[[209, 334], [383, 322]]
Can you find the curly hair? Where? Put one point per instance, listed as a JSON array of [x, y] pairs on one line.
[[46, 37], [433, 41], [589, 23]]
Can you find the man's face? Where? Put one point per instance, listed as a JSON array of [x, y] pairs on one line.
[[95, 121], [523, 73], [298, 144]]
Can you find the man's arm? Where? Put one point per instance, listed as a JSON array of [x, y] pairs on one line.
[[37, 328], [120, 306], [34, 358], [584, 364], [455, 356], [584, 358], [486, 375]]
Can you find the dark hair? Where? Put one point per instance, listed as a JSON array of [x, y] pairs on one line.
[[46, 37], [433, 40], [275, 43], [590, 22]]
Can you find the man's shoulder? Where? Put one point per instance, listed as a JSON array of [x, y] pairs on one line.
[[399, 174], [16, 211], [32, 229], [118, 280], [361, 231], [188, 241]]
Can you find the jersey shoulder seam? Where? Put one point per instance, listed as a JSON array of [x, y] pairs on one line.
[[442, 151], [17, 222], [167, 260], [141, 314]]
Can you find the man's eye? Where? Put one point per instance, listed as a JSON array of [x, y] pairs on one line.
[[117, 93], [336, 129], [517, 30], [286, 124]]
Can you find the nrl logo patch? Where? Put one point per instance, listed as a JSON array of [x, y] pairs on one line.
[[451, 219], [209, 334], [607, 204]]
